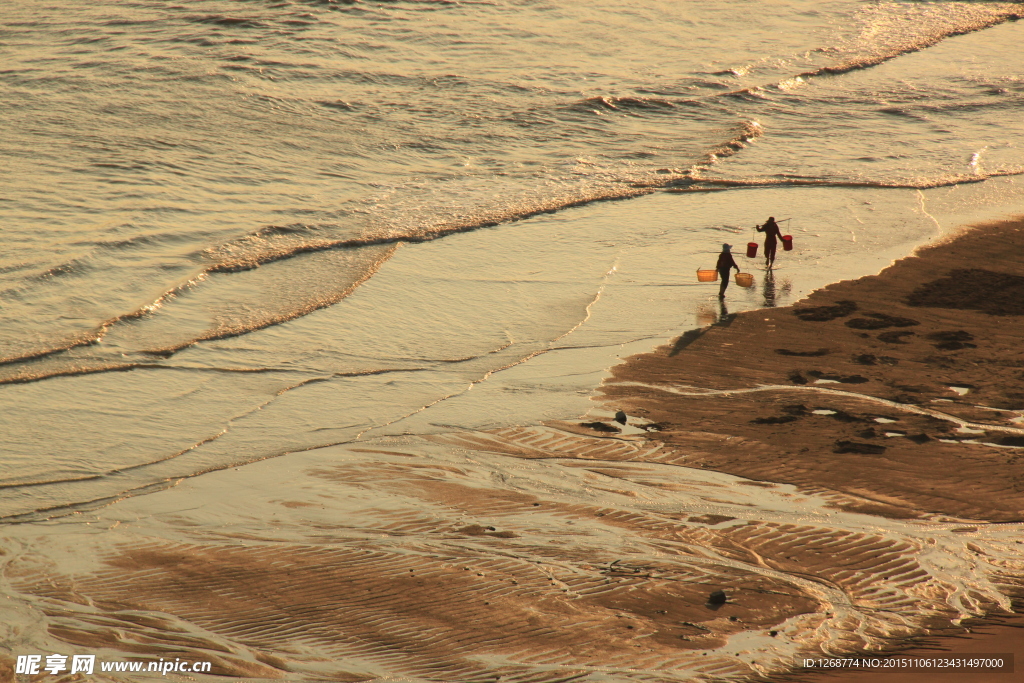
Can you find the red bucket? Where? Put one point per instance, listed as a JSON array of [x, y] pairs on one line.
[[752, 249], [787, 242]]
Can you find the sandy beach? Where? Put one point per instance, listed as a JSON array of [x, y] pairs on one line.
[[898, 395], [846, 471], [362, 342], [929, 349]]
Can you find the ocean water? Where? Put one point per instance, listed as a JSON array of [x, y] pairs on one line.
[[238, 231]]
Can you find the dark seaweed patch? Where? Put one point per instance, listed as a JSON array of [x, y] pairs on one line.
[[955, 346], [952, 335], [973, 289], [825, 313], [843, 379], [878, 321], [952, 340], [842, 415], [871, 359], [895, 337], [781, 419], [803, 354], [858, 448]]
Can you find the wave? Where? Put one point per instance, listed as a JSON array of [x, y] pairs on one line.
[[230, 22], [283, 242], [274, 244], [645, 104], [697, 184], [741, 136], [889, 32], [963, 21], [149, 329]]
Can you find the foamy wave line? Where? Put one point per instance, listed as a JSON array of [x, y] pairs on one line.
[[254, 260], [221, 332], [867, 61], [624, 103], [697, 184], [743, 135], [443, 229], [252, 251]]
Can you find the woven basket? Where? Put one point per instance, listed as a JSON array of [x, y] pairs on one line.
[[707, 275]]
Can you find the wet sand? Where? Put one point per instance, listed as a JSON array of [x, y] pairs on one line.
[[588, 550], [806, 395], [898, 395]]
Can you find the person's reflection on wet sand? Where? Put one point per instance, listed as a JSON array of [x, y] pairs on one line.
[[768, 289], [706, 315], [723, 312]]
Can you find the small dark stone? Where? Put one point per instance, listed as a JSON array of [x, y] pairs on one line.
[[717, 598], [1011, 441], [600, 427], [858, 448], [868, 433], [865, 359], [773, 633], [620, 417], [732, 618], [919, 438], [796, 378]]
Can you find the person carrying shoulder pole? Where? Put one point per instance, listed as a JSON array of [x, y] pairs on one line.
[[724, 268], [772, 234]]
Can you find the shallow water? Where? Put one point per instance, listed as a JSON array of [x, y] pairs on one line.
[[238, 231]]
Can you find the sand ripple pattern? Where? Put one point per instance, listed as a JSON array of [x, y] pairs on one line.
[[520, 554]]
